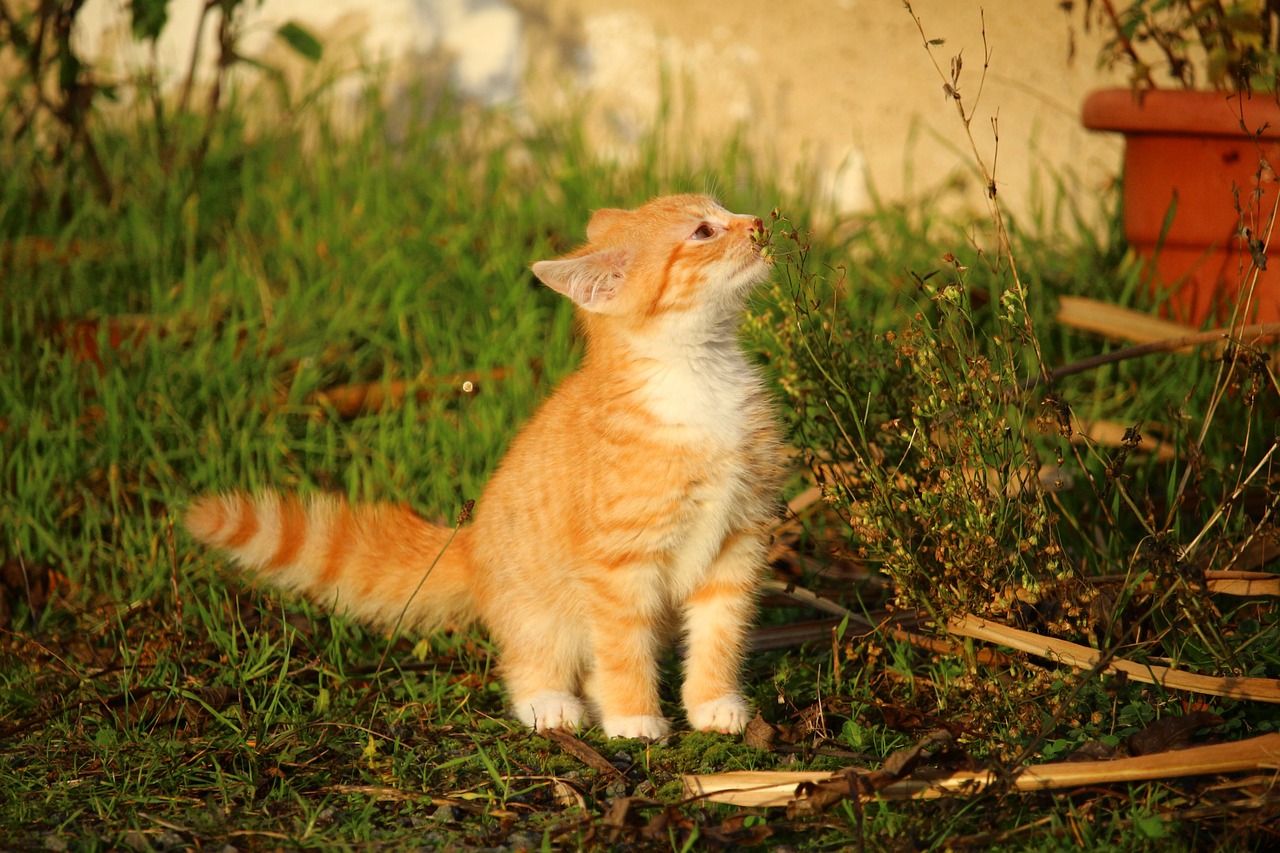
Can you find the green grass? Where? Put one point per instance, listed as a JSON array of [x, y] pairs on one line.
[[149, 700]]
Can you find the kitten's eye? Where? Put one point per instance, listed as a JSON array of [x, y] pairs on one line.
[[703, 232]]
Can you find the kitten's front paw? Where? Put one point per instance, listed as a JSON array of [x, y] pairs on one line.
[[639, 726], [550, 709], [727, 714]]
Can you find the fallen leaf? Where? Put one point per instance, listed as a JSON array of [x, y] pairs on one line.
[[814, 798], [1170, 733], [735, 832], [902, 762], [760, 734], [567, 794]]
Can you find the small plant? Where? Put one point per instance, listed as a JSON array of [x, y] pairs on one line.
[[1219, 44], [973, 473], [51, 102]]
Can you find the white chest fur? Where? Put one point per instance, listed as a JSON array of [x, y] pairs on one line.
[[707, 391], [708, 398]]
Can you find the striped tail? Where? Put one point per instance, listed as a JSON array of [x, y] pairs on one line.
[[366, 561]]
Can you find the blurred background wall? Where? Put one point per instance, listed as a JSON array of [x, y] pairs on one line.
[[844, 88]]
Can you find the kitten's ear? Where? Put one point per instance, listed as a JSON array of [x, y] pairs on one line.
[[591, 281], [602, 220]]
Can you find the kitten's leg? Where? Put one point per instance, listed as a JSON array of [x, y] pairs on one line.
[[625, 629], [542, 677], [717, 617]]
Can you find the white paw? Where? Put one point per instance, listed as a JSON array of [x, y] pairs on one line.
[[550, 709], [727, 714], [640, 726]]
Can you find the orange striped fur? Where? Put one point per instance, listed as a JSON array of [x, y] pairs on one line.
[[633, 506]]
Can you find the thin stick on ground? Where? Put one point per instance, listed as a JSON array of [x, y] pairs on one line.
[[780, 788], [1255, 331], [1074, 654]]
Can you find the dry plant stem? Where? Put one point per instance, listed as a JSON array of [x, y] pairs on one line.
[[1246, 299], [919, 641], [1240, 551], [791, 635], [1251, 583], [1073, 654], [189, 82], [755, 788], [72, 112], [31, 50], [584, 753], [988, 174], [1251, 274], [1255, 331], [825, 605], [173, 579], [1220, 583], [1113, 321], [1225, 370], [1096, 662], [1222, 508], [1126, 44], [1220, 389]]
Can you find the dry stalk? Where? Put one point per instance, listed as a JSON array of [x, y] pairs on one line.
[[950, 85], [1083, 657], [757, 788]]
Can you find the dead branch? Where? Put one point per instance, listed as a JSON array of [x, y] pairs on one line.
[[756, 788], [1073, 654], [1254, 331]]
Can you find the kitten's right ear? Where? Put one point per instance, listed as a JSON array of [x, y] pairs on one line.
[[591, 281], [602, 220]]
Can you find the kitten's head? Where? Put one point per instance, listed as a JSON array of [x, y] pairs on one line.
[[677, 258]]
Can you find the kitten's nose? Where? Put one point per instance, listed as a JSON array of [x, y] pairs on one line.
[[756, 224]]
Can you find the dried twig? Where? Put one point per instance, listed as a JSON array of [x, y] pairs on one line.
[[584, 753], [1241, 583], [800, 595], [770, 637], [1073, 654], [1254, 331], [1113, 321], [779, 788]]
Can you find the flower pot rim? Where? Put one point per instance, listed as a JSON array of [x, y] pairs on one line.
[[1176, 112]]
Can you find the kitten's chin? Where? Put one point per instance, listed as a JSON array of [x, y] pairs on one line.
[[755, 271]]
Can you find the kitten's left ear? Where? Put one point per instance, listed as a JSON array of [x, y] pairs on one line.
[[591, 281]]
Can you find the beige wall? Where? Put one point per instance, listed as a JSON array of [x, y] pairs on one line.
[[844, 86], [848, 86]]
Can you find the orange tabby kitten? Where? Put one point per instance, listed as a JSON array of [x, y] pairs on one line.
[[635, 502]]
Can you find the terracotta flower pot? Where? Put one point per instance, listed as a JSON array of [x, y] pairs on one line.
[[1187, 154]]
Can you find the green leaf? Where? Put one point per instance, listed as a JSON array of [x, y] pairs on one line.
[[147, 18], [301, 40], [1152, 826]]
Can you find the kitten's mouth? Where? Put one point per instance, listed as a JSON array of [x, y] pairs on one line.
[[761, 249], [762, 244], [756, 266]]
